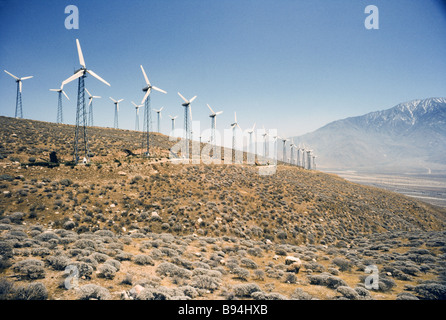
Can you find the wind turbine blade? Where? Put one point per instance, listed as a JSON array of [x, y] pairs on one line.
[[73, 77], [112, 99], [65, 95], [158, 89], [183, 98], [97, 97], [235, 117], [26, 78], [20, 86], [253, 126], [134, 104], [190, 111], [146, 96], [120, 100], [88, 92], [210, 109], [145, 76], [193, 99], [12, 75], [91, 100], [219, 112], [56, 90], [161, 109], [79, 52], [98, 77]]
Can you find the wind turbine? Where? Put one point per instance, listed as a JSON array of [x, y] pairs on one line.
[[187, 121], [213, 117], [292, 145], [234, 126], [309, 159], [59, 103], [173, 122], [250, 132], [90, 107], [159, 116], [116, 102], [137, 115], [284, 140], [147, 112], [81, 112], [18, 101], [265, 144]]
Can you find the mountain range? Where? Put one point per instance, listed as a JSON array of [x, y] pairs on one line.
[[410, 137]]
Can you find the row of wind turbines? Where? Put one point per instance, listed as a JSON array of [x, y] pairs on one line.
[[304, 157]]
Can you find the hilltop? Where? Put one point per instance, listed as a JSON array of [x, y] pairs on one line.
[[164, 226]]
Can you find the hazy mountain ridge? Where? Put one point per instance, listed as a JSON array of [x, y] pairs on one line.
[[408, 137]]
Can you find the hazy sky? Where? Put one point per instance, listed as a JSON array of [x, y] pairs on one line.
[[285, 64]]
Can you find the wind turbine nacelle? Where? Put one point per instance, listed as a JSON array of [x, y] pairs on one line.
[[185, 104], [79, 70], [145, 89]]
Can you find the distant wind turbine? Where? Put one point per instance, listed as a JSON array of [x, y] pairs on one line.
[[18, 102], [137, 115], [59, 116], [159, 116], [116, 102], [90, 107]]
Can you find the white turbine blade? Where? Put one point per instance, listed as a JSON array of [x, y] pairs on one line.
[[20, 85], [65, 95], [193, 99], [91, 100], [97, 97], [235, 117], [73, 77], [134, 104], [190, 111], [210, 109], [239, 127], [146, 96], [183, 98], [88, 92], [79, 52], [145, 76], [26, 78], [253, 126], [56, 90], [161, 109], [158, 89], [17, 78], [112, 99], [98, 77], [219, 112], [120, 100]]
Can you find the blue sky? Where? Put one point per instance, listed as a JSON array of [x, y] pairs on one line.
[[285, 64]]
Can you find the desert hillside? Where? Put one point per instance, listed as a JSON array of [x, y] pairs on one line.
[[151, 229]]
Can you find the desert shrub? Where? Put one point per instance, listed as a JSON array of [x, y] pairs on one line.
[[299, 294], [290, 277], [85, 270], [107, 271], [248, 263], [171, 270], [6, 289], [431, 291], [29, 269], [326, 279], [124, 256], [406, 296], [245, 289], [259, 275], [143, 259], [65, 182], [347, 292], [90, 261], [343, 264], [68, 225], [207, 272], [386, 284], [314, 266], [114, 263], [84, 244], [189, 291], [93, 291], [364, 294], [153, 294], [100, 257], [33, 291], [6, 254], [40, 252], [241, 273], [47, 236], [58, 262], [16, 217], [203, 281], [104, 233]]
